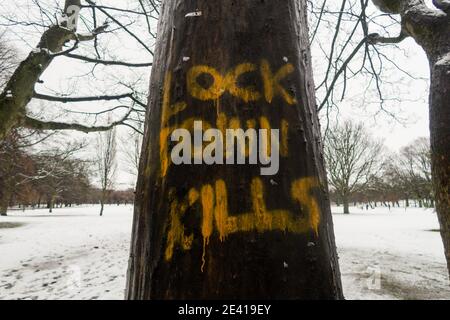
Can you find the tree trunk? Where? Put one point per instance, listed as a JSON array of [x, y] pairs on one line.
[[431, 28], [102, 202], [346, 205], [226, 231], [51, 204], [440, 133]]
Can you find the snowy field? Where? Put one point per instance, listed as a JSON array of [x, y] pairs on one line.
[[75, 254]]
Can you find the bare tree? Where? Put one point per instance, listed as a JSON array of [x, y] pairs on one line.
[[352, 158], [413, 170], [205, 232], [357, 48], [430, 28], [106, 163], [14, 165], [7, 61], [131, 148], [65, 29]]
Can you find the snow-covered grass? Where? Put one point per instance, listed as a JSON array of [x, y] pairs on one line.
[[70, 254], [396, 254], [75, 254]]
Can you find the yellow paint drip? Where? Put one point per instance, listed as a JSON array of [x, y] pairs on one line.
[[207, 195], [266, 138], [300, 192]]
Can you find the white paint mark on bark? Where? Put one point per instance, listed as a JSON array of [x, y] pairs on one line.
[[193, 14], [444, 61]]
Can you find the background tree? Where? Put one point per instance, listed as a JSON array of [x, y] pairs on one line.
[[131, 148], [413, 170], [106, 163], [430, 28], [62, 37], [55, 172], [352, 158]]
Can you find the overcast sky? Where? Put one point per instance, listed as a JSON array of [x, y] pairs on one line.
[[359, 104]]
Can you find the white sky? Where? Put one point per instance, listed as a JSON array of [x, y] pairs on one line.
[[359, 105]]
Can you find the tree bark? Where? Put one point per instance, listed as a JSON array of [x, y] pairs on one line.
[[225, 231], [102, 203]]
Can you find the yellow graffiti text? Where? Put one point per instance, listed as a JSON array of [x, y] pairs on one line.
[[229, 83], [215, 213]]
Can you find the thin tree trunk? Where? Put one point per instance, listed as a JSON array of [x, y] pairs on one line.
[[225, 231], [346, 204], [4, 203]]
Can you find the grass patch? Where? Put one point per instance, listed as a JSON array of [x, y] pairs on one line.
[[10, 225]]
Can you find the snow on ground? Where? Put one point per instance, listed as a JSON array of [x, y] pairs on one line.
[[69, 254], [75, 254], [396, 254]]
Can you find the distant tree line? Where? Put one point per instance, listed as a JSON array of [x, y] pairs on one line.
[[362, 170], [48, 178]]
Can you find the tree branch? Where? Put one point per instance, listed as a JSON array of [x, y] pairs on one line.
[[81, 99], [107, 62], [36, 124]]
